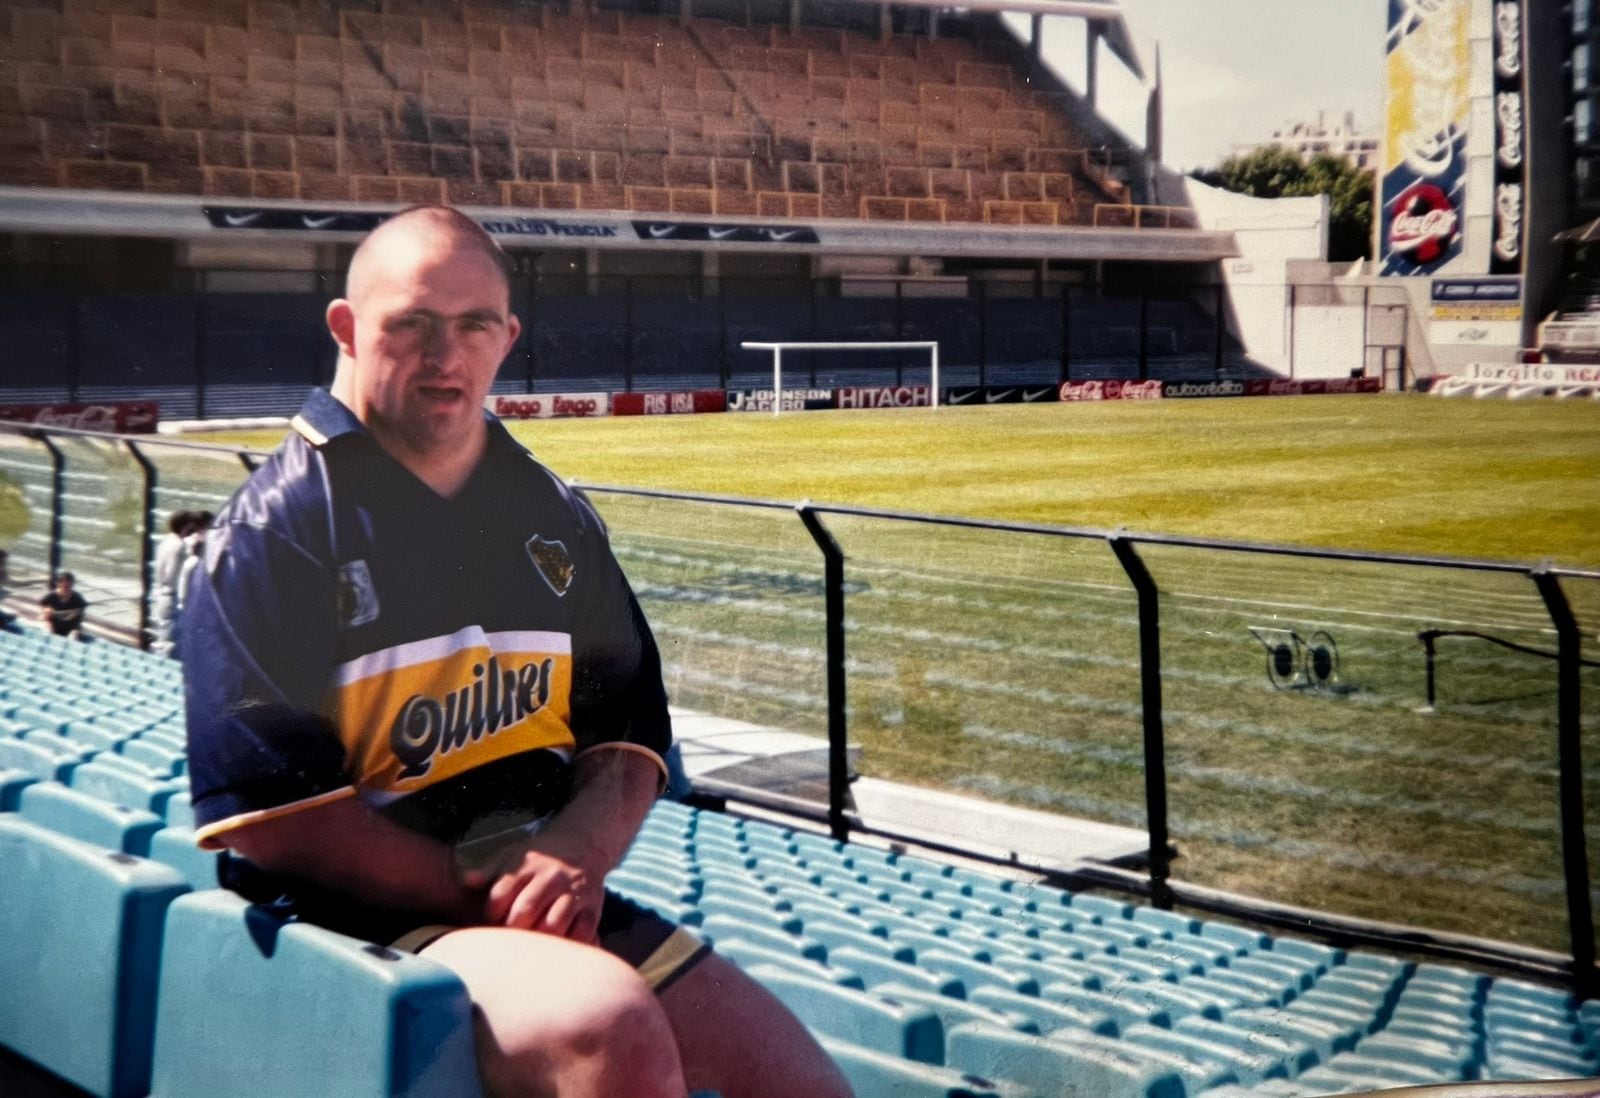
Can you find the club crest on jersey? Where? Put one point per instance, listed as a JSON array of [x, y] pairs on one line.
[[553, 561], [358, 599]]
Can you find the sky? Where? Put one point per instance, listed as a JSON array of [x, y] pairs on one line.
[[1233, 71]]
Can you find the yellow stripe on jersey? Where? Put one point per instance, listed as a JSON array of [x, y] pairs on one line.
[[420, 713]]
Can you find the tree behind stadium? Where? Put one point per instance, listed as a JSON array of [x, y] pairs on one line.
[[1276, 172]]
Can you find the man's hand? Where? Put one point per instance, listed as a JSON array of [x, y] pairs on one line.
[[548, 889], [556, 882]]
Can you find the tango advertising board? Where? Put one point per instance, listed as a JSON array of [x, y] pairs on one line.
[[1425, 142], [548, 405]]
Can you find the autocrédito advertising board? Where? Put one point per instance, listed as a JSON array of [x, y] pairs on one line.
[[1510, 140], [794, 400], [1001, 394], [1485, 312], [548, 405], [669, 404], [1424, 152], [137, 417]]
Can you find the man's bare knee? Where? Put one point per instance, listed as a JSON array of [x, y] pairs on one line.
[[558, 1018]]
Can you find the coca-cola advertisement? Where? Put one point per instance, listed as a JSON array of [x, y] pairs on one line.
[[1424, 173], [135, 417], [1510, 139]]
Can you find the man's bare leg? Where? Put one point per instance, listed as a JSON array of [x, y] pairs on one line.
[[736, 1038], [557, 1018]]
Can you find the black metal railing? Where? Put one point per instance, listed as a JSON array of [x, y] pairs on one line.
[[151, 457]]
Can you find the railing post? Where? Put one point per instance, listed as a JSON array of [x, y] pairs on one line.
[[1569, 752], [58, 476], [149, 510], [1155, 745], [1430, 640], [838, 729]]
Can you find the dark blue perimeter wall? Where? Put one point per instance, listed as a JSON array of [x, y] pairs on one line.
[[244, 353]]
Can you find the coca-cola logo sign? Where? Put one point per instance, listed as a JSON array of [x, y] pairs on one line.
[[122, 417], [1425, 223]]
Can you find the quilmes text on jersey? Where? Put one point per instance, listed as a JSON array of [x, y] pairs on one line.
[[497, 698]]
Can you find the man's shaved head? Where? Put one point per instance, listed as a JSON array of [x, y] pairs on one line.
[[422, 329], [422, 224]]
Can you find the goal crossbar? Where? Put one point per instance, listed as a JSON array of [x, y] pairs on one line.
[[777, 350]]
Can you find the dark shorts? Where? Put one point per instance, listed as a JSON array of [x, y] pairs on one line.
[[659, 950]]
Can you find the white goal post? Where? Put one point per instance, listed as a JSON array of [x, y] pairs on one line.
[[777, 350]]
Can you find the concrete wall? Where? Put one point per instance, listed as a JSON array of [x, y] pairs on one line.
[[1270, 233]]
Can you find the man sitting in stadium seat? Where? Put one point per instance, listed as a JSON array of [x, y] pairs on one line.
[[62, 608], [425, 708]]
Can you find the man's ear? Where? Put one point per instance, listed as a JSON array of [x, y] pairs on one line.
[[513, 329], [342, 326]]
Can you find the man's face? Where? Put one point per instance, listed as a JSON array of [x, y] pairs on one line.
[[63, 587], [431, 326]]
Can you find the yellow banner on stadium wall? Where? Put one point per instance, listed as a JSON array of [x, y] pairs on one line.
[[1424, 152]]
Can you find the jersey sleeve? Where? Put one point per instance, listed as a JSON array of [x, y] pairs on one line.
[[258, 645], [618, 698]]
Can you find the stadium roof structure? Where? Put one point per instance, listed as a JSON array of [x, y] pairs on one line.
[[72, 212], [1105, 16]]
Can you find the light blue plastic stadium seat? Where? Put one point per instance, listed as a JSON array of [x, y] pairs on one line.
[[40, 758], [175, 847], [1205, 1055], [880, 1023], [1448, 1061], [163, 760], [1389, 1072], [836, 934], [873, 1074], [716, 927], [747, 955], [72, 812], [1326, 956], [1322, 1035], [877, 969], [117, 785], [42, 719], [953, 1012], [1066, 1062], [1048, 1016], [12, 783], [976, 974], [1296, 1054], [80, 944], [1175, 1002], [94, 737], [1123, 1010], [305, 1012]]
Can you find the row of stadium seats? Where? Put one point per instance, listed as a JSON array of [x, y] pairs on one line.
[[537, 107], [921, 978]]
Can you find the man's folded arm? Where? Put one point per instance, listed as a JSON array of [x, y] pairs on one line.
[[342, 846]]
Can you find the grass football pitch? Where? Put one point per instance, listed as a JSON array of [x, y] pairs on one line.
[[1006, 665]]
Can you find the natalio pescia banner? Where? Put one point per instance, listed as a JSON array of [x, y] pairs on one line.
[[1425, 139]]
